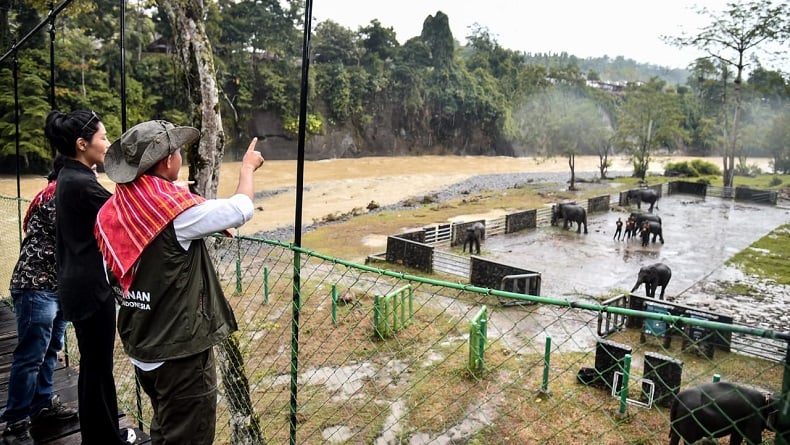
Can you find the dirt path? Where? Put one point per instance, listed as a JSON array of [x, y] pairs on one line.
[[340, 185]]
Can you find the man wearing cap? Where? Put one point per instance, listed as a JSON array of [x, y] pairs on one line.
[[173, 310]]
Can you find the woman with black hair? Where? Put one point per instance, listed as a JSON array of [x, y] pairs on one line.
[[86, 298]]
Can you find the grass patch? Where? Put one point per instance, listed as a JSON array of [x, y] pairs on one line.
[[766, 182], [768, 257]]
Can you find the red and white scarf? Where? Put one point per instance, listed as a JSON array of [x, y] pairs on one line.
[[133, 217]]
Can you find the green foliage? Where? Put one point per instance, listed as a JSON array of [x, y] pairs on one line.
[[745, 169], [648, 120], [314, 125], [691, 169], [429, 92]]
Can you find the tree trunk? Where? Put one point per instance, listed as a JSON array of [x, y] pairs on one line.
[[194, 52], [245, 424], [729, 171], [572, 165], [205, 160], [603, 162]]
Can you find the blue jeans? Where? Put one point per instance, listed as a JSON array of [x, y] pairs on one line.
[[40, 327]]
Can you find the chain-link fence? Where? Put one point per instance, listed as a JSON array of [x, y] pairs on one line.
[[333, 375], [370, 356], [11, 212]]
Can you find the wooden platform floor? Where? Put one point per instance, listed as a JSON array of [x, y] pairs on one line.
[[55, 433]]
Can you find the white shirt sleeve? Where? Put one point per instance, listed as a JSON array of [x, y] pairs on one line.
[[212, 216]]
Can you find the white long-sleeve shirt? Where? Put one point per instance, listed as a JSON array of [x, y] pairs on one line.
[[202, 220]]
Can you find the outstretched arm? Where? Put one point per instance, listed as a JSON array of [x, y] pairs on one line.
[[251, 162]]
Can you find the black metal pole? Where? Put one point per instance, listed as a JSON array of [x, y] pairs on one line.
[[15, 74], [52, 59], [783, 415], [33, 31], [296, 305], [123, 66]]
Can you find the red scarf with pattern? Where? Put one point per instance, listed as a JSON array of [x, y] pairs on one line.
[[41, 198], [133, 217]]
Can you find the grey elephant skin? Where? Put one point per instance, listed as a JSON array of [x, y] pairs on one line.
[[640, 217], [570, 213], [649, 196], [652, 276], [473, 236], [654, 228], [719, 409]]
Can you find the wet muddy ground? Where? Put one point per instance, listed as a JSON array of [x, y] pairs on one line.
[[700, 235]]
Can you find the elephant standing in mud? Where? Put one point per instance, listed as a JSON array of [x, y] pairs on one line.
[[639, 218], [651, 228], [652, 276], [570, 213], [473, 236], [649, 196]]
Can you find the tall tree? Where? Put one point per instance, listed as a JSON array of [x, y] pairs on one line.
[[193, 47], [777, 140], [649, 118], [731, 36], [562, 121]]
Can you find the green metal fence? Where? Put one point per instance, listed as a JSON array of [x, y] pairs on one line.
[[312, 369]]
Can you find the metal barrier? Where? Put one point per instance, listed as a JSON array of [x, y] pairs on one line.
[[451, 263], [608, 322], [390, 312]]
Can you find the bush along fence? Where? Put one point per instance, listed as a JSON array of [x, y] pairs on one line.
[[308, 364]]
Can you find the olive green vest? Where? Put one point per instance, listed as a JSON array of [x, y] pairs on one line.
[[175, 306]]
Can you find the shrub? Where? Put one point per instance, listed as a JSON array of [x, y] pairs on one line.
[[680, 169], [693, 169], [747, 170], [776, 180], [705, 168]]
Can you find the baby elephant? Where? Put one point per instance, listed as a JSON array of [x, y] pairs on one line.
[[718, 409], [653, 276]]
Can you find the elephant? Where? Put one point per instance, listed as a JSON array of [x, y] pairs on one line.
[[717, 409], [643, 195], [474, 234], [570, 213], [654, 275], [639, 218], [652, 228]]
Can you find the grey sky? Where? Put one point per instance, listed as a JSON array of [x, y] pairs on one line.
[[580, 27]]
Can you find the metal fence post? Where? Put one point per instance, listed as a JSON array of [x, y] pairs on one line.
[[334, 304], [783, 416], [546, 362], [624, 389]]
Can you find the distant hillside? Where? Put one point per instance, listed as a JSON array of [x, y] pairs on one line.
[[608, 69]]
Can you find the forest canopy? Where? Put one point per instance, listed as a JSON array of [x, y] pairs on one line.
[[372, 95]]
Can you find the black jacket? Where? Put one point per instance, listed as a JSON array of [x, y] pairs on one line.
[[82, 280]]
